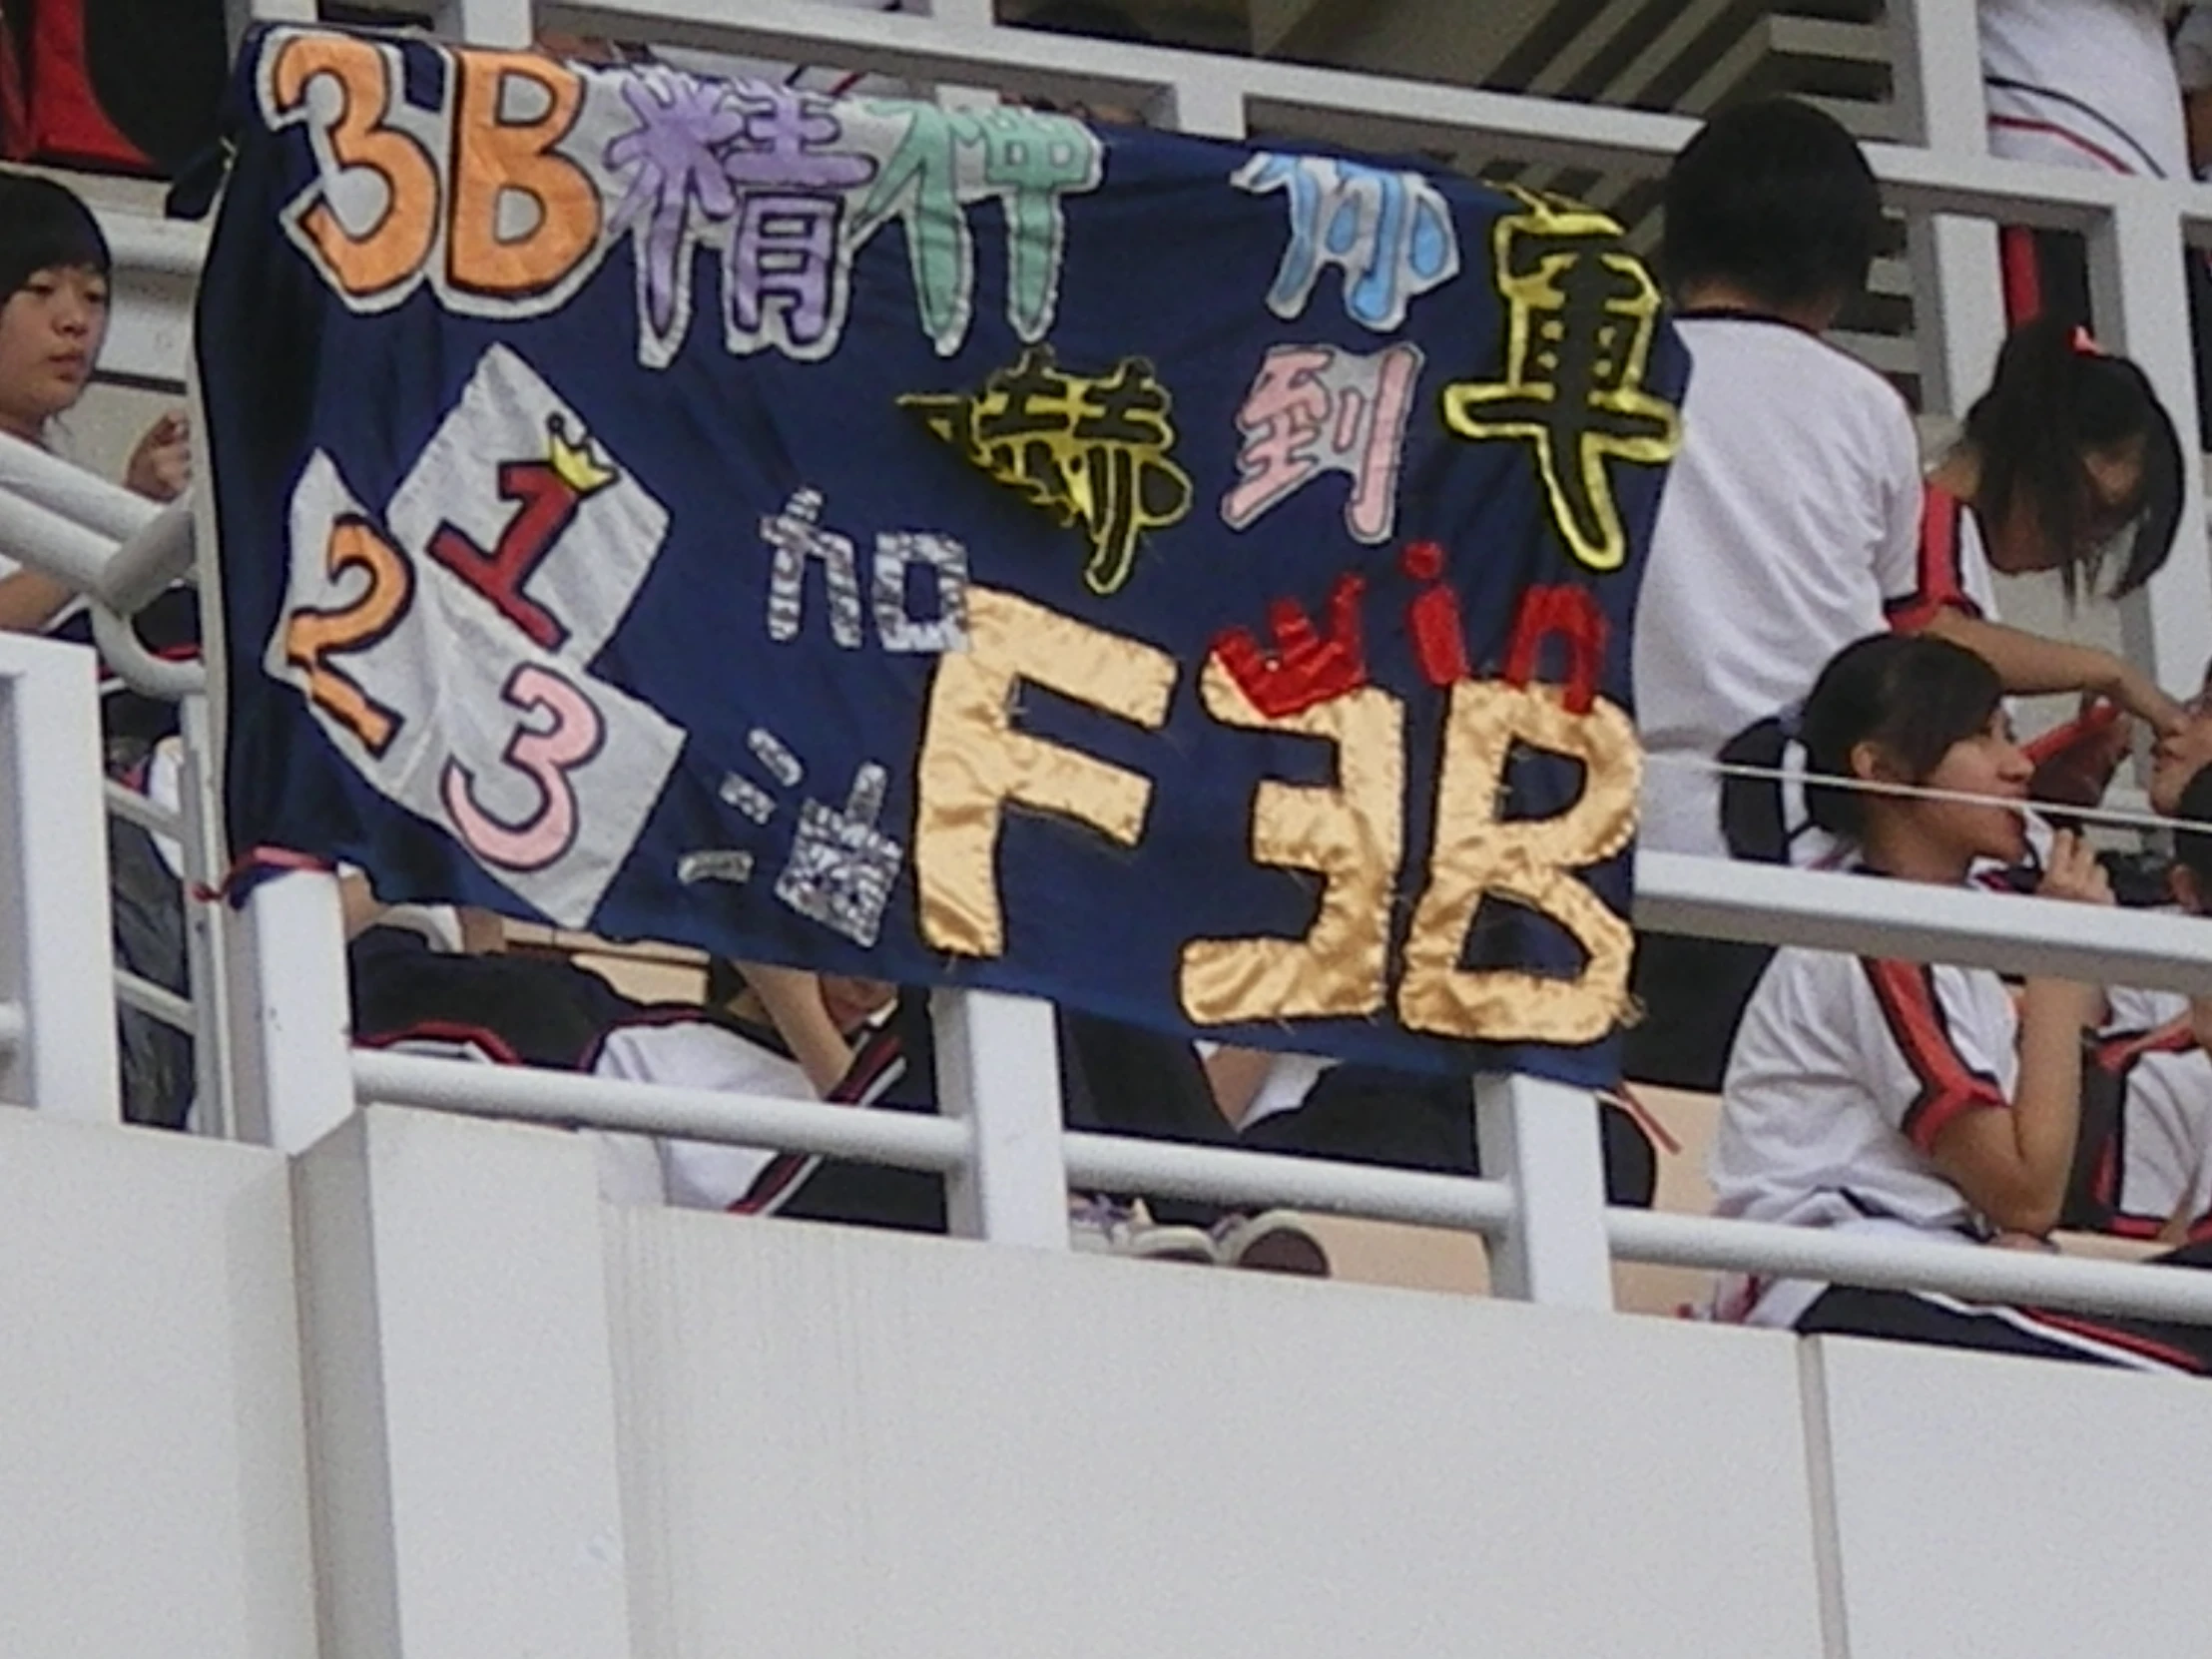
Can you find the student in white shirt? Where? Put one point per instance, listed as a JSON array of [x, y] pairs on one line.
[[790, 1034], [2151, 1178], [1892, 1097], [2093, 84], [2083, 82]]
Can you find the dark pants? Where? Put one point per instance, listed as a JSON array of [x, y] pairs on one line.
[[1115, 1079], [2083, 1339], [1366, 1115], [1693, 993]]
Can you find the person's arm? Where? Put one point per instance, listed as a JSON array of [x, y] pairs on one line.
[[29, 601], [793, 998], [2011, 1165], [2030, 664], [1235, 1075]]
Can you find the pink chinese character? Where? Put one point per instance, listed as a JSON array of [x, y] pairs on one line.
[[1315, 409]]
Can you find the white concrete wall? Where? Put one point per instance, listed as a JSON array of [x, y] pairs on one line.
[[853, 1444], [2003, 1507], [153, 1478], [538, 1426]]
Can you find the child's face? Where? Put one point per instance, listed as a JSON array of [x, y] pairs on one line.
[[51, 329], [1987, 764]]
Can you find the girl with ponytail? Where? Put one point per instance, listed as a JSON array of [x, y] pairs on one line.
[[2068, 462]]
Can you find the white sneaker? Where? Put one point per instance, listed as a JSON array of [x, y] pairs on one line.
[[1099, 1226]]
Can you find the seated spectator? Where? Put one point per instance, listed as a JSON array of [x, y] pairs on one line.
[[2144, 1168], [54, 273], [780, 1033], [1887, 1097], [54, 276], [458, 994], [1315, 1108]]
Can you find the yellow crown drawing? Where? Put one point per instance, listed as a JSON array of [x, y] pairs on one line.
[[580, 469]]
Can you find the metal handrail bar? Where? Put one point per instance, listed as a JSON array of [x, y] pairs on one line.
[[122, 650], [158, 1001], [98, 537], [149, 815], [1976, 1273], [905, 1140], [1873, 915], [1231, 1175], [52, 543], [83, 497], [150, 559]]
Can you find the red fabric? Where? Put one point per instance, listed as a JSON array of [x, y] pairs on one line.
[[14, 117], [1941, 583], [1950, 1088], [1433, 619], [1307, 667], [64, 120], [1570, 616], [2023, 279]]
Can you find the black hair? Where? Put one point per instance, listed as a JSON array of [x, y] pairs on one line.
[[1087, 17], [726, 982], [2193, 848], [1773, 198], [44, 226], [1911, 695], [2055, 399]]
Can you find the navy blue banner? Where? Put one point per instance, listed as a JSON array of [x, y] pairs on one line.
[[1188, 581]]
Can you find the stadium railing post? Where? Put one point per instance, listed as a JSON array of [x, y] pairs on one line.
[[1541, 1140], [1958, 294], [292, 1066], [56, 979], [2139, 293], [206, 923], [998, 1071]]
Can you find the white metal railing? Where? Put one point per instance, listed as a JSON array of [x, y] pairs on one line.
[[280, 1070], [57, 998]]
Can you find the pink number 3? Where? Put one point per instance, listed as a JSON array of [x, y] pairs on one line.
[[546, 755]]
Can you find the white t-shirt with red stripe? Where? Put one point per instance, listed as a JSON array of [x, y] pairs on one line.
[[1845, 1071], [687, 1050], [2083, 82], [2159, 1163], [1954, 570], [1789, 526]]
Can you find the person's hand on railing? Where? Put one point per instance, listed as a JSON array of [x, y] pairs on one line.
[[161, 465]]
